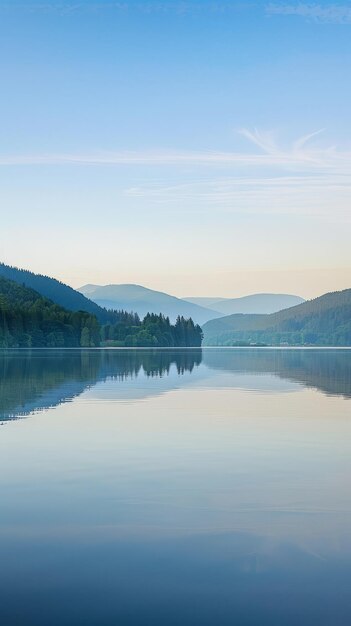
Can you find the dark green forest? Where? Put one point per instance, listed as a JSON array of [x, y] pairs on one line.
[[27, 319], [154, 330]]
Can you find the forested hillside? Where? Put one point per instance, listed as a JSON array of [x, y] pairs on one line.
[[27, 319], [54, 290], [324, 321]]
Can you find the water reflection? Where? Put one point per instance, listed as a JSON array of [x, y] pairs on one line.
[[31, 380], [184, 488], [328, 371], [35, 380]]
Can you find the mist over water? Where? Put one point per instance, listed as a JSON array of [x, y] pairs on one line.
[[175, 487]]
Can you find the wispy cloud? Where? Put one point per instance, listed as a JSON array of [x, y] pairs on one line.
[[314, 196], [159, 158], [324, 14], [301, 154], [302, 178]]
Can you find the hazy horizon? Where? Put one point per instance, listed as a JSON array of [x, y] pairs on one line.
[[277, 283], [278, 280], [194, 148]]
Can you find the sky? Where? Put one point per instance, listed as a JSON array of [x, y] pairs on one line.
[[200, 147]]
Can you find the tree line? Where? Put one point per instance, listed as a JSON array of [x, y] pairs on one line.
[[153, 331], [28, 319]]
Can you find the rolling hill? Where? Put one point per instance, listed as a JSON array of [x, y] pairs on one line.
[[142, 301], [54, 290], [254, 303], [27, 319], [323, 321]]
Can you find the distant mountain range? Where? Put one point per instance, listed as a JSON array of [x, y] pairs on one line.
[[323, 321], [142, 301], [257, 319], [95, 299], [255, 303]]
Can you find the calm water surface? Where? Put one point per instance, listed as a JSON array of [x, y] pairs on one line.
[[175, 487]]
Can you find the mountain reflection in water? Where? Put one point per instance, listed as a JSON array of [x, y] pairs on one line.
[[32, 380]]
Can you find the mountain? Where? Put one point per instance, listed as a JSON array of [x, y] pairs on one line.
[[255, 303], [323, 321], [54, 290], [27, 319], [142, 301]]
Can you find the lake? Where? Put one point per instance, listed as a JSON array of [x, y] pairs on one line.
[[175, 487]]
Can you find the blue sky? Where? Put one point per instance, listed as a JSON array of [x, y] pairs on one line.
[[200, 148]]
